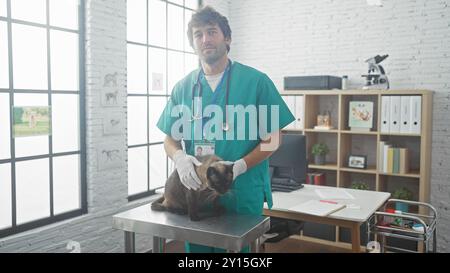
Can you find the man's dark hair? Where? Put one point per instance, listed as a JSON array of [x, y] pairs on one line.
[[209, 16]]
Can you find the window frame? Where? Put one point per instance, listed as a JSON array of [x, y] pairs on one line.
[[147, 95], [81, 152]]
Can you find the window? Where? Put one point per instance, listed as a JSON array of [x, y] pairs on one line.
[[42, 177], [158, 56]]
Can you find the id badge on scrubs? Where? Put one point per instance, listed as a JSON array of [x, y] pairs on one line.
[[204, 147]]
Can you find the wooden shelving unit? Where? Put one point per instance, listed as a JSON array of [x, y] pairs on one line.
[[316, 101]]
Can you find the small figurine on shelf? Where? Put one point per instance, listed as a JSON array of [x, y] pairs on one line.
[[324, 121]]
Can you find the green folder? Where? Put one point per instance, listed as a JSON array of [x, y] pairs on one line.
[[396, 161]]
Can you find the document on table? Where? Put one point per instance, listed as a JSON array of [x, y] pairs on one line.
[[334, 193], [318, 207]]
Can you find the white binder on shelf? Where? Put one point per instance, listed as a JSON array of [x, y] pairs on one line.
[[299, 112], [394, 115], [416, 114], [405, 104], [385, 110], [290, 102]]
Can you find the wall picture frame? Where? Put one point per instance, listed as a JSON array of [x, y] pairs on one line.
[[357, 161], [29, 121]]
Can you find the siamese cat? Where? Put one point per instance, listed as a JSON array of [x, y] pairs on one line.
[[216, 179]]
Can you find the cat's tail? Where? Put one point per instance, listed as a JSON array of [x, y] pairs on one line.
[[157, 204]]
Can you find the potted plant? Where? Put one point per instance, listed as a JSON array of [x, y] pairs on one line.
[[360, 186], [403, 194], [320, 150]]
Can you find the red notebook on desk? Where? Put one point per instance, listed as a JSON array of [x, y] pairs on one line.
[[318, 207]]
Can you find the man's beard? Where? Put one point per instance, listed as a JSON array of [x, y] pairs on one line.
[[221, 50]]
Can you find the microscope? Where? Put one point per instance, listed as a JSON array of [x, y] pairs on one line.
[[376, 77]]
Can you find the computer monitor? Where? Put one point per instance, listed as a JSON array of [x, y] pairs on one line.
[[289, 160]]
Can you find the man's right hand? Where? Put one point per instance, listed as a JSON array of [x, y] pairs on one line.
[[186, 171]]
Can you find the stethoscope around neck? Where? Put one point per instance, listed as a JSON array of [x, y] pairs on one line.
[[197, 85]]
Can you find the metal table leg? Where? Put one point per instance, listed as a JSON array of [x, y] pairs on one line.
[[158, 244], [129, 242], [254, 247]]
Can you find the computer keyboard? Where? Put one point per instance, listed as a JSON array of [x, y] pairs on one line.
[[285, 184]]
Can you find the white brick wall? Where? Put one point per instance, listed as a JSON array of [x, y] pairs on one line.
[[222, 6], [312, 37], [283, 37]]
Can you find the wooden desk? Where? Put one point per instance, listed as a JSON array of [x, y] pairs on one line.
[[359, 209]]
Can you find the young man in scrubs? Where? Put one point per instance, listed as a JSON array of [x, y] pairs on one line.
[[220, 81]]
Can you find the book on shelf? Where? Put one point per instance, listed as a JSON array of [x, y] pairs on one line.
[[404, 161], [315, 179], [390, 164], [393, 160], [385, 156]]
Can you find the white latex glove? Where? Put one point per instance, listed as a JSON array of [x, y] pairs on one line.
[[239, 167], [185, 167]]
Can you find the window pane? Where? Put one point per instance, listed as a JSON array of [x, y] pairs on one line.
[[34, 145], [157, 23], [156, 107], [4, 127], [179, 2], [4, 64], [137, 120], [32, 190], [136, 21], [5, 196], [175, 27], [157, 71], [3, 8], [192, 4], [187, 18], [64, 60], [137, 170], [137, 69], [65, 123], [30, 57], [29, 10], [64, 13], [190, 63], [66, 183], [176, 68], [158, 166]]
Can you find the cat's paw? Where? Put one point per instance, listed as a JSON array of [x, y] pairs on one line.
[[219, 210]]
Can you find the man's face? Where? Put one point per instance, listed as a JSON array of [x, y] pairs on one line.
[[209, 43]]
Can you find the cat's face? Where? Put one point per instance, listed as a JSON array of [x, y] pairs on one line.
[[220, 177]]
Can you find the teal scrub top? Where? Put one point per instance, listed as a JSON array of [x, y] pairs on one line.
[[248, 86]]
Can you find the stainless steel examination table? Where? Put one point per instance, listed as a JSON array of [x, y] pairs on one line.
[[229, 231]]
